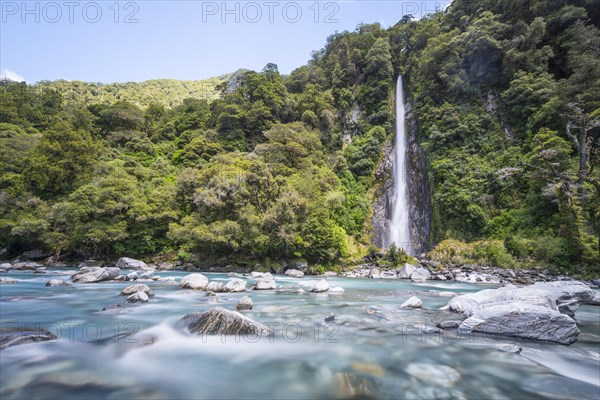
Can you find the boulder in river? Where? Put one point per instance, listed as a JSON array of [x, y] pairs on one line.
[[406, 271], [220, 321], [130, 263], [95, 274], [235, 285], [147, 274], [245, 303], [57, 282], [420, 275], [132, 276], [137, 297], [266, 282], [568, 295], [320, 286], [294, 273], [523, 320], [595, 301], [467, 304], [215, 287], [129, 290], [336, 289], [194, 281], [388, 274], [413, 302], [375, 273]]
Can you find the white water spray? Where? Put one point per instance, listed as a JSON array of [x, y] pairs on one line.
[[399, 227]]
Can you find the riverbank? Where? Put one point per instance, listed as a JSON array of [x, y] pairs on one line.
[[371, 268]]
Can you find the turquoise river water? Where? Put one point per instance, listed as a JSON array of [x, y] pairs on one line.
[[144, 353]]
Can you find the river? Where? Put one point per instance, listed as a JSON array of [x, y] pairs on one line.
[[395, 353]]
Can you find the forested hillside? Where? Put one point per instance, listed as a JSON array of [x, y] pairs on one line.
[[507, 99]]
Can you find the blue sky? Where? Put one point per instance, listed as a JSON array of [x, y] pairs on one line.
[[120, 41]]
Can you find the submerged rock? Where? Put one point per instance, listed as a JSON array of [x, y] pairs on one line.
[[448, 324], [8, 280], [12, 337], [194, 281], [507, 348], [129, 290], [346, 385], [95, 274], [320, 286], [219, 321], [420, 275], [114, 308], [57, 282], [439, 375], [406, 271], [235, 285], [336, 289], [524, 320], [137, 297], [266, 282], [245, 303], [301, 291], [413, 302], [295, 273]]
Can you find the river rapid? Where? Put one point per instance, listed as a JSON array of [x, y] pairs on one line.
[[143, 351]]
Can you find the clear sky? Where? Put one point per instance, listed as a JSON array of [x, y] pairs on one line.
[[120, 41]]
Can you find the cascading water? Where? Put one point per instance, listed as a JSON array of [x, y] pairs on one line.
[[399, 227]]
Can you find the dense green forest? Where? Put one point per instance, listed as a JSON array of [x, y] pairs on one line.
[[268, 167]]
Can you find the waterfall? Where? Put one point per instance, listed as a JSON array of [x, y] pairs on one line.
[[399, 226]]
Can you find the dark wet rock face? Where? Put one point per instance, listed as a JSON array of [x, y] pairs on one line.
[[418, 191], [420, 211], [219, 321], [384, 197], [12, 337]]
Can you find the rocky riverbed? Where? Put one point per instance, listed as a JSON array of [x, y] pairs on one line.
[[99, 331]]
